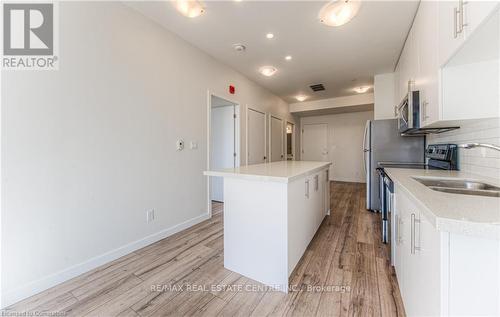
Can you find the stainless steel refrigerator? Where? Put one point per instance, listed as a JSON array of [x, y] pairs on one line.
[[383, 143]]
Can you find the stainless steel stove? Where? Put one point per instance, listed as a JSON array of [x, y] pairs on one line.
[[439, 156]]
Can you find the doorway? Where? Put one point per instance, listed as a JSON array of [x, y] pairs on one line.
[[276, 139], [314, 142], [223, 144], [290, 141]]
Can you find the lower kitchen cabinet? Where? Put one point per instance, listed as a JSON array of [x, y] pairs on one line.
[[441, 273]]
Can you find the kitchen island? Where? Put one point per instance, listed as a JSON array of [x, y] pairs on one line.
[[271, 213]]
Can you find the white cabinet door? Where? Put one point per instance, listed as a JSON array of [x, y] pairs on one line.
[[408, 63], [428, 279], [418, 260], [449, 36], [475, 12], [426, 24], [458, 20]]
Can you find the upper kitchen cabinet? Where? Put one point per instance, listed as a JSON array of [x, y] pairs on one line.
[[407, 65], [451, 56], [457, 21], [470, 80], [427, 78]]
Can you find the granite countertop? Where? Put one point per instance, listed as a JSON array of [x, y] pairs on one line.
[[282, 171], [454, 213]]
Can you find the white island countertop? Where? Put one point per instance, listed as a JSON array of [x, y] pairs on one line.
[[282, 171], [455, 213]]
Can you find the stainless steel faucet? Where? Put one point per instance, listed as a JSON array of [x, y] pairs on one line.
[[474, 145]]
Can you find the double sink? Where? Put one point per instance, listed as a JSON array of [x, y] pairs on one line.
[[459, 186]]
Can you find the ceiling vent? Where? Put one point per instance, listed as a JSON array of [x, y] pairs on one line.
[[317, 87]]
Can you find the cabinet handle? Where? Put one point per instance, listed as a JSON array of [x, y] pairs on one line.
[[425, 104], [461, 23], [307, 188], [455, 22], [412, 244], [316, 182]]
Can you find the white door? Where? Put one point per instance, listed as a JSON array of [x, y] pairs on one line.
[[223, 146], [276, 148], [314, 142], [256, 137]]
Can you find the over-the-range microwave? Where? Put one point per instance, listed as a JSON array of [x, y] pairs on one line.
[[408, 113]]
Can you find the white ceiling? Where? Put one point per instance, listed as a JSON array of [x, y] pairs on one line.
[[341, 58]]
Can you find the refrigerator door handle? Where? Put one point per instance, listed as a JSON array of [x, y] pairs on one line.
[[365, 150], [367, 126]]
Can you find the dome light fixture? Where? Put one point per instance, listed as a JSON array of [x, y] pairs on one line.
[[362, 89], [339, 12], [270, 35], [288, 57], [189, 8], [268, 71], [301, 97]]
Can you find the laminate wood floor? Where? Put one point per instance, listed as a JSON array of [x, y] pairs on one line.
[[344, 272]]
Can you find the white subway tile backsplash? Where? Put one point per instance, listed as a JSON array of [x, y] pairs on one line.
[[481, 161]]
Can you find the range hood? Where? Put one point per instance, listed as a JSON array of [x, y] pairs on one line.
[[424, 131]]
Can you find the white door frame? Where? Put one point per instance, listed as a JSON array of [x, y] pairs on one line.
[[271, 116], [302, 135], [293, 140], [209, 136], [246, 131]]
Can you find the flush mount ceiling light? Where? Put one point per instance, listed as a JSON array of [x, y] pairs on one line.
[[239, 47], [288, 58], [267, 70], [270, 35], [337, 13], [361, 90], [189, 8], [301, 97]]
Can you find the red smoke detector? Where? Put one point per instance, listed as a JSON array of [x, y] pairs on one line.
[[231, 89]]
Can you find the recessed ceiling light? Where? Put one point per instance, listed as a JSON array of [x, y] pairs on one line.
[[270, 35], [339, 12], [361, 90], [288, 57], [189, 8], [267, 70], [301, 97]]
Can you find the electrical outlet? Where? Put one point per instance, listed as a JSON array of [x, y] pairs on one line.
[[150, 215]]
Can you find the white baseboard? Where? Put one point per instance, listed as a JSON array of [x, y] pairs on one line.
[[35, 287]]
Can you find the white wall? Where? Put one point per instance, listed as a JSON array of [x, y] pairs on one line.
[[345, 143], [384, 91], [88, 149], [338, 102]]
